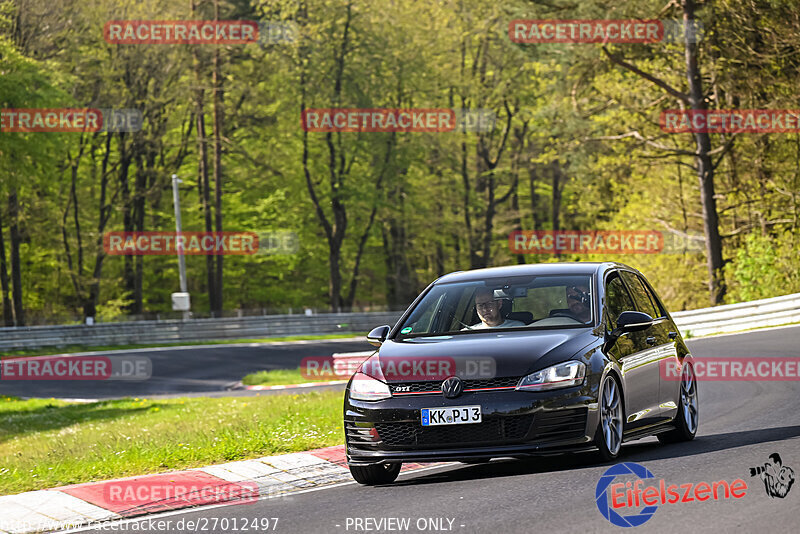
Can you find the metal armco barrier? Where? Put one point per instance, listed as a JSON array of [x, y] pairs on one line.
[[149, 332], [719, 319], [742, 316], [346, 363]]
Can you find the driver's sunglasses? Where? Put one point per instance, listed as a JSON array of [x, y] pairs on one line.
[[486, 305]]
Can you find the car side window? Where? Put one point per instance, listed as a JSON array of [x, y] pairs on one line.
[[617, 299], [656, 302], [640, 295]]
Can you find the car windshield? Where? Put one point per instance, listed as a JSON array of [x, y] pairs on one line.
[[528, 302]]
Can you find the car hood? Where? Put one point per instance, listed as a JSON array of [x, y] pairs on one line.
[[513, 354]]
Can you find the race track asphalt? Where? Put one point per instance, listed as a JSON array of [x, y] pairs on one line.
[[741, 424], [209, 370]]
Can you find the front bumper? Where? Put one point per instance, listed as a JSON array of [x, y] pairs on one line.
[[514, 424]]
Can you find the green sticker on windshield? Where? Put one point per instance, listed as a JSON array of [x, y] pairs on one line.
[[405, 330]]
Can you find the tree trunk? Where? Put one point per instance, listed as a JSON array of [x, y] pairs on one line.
[[537, 220], [556, 211], [202, 171], [16, 271], [8, 311], [399, 282], [127, 219], [705, 171], [335, 286], [139, 203], [473, 255], [334, 231], [90, 304], [218, 121], [517, 222], [516, 163]]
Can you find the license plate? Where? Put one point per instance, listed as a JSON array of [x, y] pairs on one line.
[[457, 415]]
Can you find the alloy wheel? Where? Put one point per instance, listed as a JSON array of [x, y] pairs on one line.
[[611, 415], [689, 398]]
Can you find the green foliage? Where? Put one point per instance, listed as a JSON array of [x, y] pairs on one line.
[[570, 115], [764, 266]]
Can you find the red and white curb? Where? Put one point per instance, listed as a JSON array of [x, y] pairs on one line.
[[236, 482], [348, 361], [345, 364], [293, 386]]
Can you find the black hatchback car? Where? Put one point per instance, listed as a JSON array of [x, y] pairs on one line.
[[519, 361]]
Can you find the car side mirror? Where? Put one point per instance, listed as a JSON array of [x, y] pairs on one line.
[[628, 321], [633, 321], [377, 336]]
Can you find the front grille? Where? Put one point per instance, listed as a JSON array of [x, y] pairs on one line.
[[560, 424], [436, 385], [358, 435], [510, 428]]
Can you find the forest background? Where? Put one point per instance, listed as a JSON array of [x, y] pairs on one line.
[[577, 146]]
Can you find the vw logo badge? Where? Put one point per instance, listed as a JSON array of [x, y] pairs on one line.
[[452, 387]]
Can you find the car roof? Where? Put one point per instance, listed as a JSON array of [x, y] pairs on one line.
[[538, 269]]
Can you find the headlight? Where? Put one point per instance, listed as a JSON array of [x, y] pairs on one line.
[[366, 388], [558, 376]]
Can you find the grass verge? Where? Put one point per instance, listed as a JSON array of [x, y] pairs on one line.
[[46, 351], [48, 443], [281, 377]]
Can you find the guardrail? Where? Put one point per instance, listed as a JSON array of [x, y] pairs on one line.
[[150, 332], [742, 316], [345, 364], [719, 319]]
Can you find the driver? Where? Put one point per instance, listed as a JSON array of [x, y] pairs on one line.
[[488, 309], [579, 302]]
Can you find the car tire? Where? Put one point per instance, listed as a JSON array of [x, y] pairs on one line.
[[608, 436], [686, 421], [372, 475]]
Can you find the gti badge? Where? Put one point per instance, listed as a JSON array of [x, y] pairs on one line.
[[452, 387]]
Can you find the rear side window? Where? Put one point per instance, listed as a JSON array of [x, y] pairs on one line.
[[640, 295], [617, 300], [662, 312]]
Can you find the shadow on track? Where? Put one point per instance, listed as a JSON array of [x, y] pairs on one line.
[[631, 452]]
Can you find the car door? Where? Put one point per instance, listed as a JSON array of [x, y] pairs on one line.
[[659, 346], [669, 389], [639, 370]]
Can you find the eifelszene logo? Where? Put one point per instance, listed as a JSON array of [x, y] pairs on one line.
[[601, 495], [633, 495], [778, 478]]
